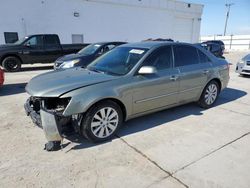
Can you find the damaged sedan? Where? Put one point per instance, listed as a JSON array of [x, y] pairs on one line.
[[130, 81]]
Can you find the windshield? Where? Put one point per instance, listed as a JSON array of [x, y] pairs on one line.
[[90, 49], [21, 40], [246, 58], [118, 61]]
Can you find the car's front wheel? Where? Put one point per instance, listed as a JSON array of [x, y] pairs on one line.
[[102, 121], [209, 95]]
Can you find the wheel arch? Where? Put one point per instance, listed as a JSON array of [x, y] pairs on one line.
[[117, 101], [10, 55], [216, 80]]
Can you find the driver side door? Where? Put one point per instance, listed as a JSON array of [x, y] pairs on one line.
[[158, 90], [33, 51]]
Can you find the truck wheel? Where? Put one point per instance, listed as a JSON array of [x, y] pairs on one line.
[[11, 64], [102, 121], [209, 95]]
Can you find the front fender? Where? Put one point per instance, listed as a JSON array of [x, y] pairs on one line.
[[82, 99]]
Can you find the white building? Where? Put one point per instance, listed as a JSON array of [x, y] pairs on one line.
[[101, 20]]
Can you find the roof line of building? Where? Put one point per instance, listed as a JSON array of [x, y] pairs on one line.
[[148, 7]]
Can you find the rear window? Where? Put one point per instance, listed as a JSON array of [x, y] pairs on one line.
[[185, 55], [51, 40]]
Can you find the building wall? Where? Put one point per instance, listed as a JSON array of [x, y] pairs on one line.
[[102, 20], [232, 42]]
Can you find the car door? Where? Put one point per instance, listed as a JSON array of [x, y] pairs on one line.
[[52, 48], [33, 51], [193, 73], [158, 90]]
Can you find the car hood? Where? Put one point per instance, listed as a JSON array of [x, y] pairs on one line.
[[72, 57], [57, 83]]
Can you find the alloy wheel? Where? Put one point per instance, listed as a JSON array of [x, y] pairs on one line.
[[211, 94], [104, 122]]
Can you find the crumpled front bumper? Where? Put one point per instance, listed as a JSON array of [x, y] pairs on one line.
[[48, 121], [35, 116]]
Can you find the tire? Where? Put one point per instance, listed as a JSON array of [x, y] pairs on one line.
[[102, 121], [209, 95], [11, 64]]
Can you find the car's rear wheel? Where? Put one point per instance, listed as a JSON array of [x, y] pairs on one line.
[[11, 64], [209, 95], [102, 121]]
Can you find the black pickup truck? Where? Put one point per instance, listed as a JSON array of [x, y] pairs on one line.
[[45, 48]]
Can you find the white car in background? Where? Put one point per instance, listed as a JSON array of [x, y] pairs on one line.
[[243, 66]]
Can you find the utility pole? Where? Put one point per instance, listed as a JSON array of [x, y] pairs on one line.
[[228, 5]]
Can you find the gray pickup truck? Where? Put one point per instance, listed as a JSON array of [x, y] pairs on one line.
[[44, 48]]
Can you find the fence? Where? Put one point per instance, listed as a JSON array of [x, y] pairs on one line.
[[232, 42]]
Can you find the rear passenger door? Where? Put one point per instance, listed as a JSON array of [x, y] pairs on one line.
[[193, 72], [52, 48]]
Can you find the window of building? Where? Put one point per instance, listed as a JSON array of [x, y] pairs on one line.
[[185, 55], [77, 39], [10, 37]]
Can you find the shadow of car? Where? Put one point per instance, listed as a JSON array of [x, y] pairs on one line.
[[12, 89], [159, 118]]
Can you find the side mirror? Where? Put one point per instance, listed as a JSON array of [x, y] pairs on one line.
[[27, 45], [147, 70]]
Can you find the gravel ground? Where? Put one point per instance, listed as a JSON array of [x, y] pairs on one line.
[[182, 147]]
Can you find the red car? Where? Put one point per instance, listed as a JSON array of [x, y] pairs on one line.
[[1, 77]]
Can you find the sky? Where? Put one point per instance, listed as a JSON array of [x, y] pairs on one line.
[[214, 16]]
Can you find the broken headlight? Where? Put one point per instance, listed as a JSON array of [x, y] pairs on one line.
[[55, 105]]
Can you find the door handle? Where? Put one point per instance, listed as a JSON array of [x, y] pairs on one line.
[[205, 71], [174, 78]]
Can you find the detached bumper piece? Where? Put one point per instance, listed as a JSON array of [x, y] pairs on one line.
[[51, 130], [52, 124]]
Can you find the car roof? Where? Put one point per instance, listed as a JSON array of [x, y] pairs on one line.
[[152, 44], [105, 43], [216, 41], [41, 35]]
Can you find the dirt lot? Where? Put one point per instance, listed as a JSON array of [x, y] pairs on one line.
[[182, 147]]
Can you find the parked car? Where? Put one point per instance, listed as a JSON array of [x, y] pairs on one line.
[[32, 49], [129, 81], [219, 42], [159, 39], [86, 55], [214, 48], [1, 77], [243, 66]]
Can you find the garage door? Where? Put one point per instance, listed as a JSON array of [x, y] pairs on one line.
[[183, 29]]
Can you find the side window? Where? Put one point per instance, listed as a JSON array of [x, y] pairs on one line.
[[35, 41], [203, 57], [50, 40], [111, 46], [106, 48], [215, 47], [161, 58], [185, 55]]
